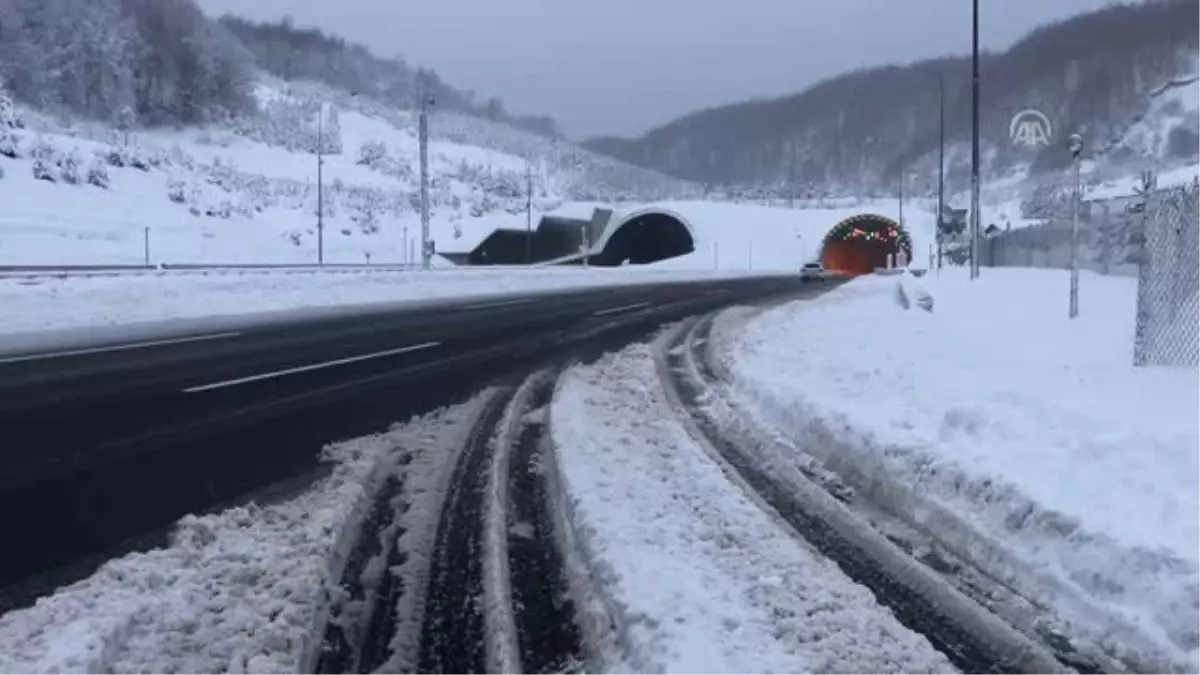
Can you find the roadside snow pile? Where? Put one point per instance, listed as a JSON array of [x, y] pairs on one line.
[[239, 591], [87, 303], [910, 292], [1026, 440], [700, 578]]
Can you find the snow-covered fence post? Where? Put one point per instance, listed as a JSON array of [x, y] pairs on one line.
[[146, 246], [1139, 237]]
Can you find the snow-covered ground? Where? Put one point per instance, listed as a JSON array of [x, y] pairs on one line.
[[700, 577], [241, 591], [1034, 430]]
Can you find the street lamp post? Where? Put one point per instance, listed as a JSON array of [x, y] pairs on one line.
[[1075, 145], [528, 211], [792, 173], [975, 139], [941, 161], [320, 185], [423, 142]]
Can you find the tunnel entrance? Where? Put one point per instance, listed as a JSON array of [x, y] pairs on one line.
[[646, 237], [860, 244]]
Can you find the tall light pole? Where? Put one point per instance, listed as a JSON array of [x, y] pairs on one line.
[[423, 139], [792, 174], [901, 215], [529, 211], [1075, 145], [974, 139], [941, 162], [320, 185]]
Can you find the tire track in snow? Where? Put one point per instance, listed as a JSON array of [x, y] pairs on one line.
[[547, 633], [497, 596], [972, 639], [453, 635]]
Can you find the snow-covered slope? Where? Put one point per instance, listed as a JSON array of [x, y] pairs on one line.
[[246, 190], [217, 196]]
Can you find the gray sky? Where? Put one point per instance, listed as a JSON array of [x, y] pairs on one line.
[[624, 66]]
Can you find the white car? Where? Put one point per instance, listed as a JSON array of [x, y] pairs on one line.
[[813, 271]]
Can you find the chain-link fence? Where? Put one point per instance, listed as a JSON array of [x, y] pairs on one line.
[[1152, 234], [1167, 331], [1104, 235]]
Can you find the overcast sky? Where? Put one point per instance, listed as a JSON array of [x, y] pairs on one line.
[[624, 66]]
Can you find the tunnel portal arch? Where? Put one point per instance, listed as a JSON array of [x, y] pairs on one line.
[[645, 236], [862, 243]]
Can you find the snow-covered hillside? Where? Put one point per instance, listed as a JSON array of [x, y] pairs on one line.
[[246, 191]]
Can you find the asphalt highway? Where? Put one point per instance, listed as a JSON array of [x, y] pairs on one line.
[[101, 444]]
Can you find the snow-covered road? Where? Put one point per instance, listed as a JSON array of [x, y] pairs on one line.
[[666, 555]]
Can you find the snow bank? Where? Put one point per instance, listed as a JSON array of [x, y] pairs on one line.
[[74, 303], [1033, 429], [702, 579], [238, 591]]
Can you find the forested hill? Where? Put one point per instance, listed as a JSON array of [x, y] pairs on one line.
[[1097, 73], [153, 62]]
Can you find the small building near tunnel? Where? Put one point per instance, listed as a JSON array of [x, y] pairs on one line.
[[863, 243], [641, 237]]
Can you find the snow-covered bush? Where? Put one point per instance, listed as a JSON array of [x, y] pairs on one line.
[[372, 154], [68, 167], [10, 143], [43, 170], [133, 157], [116, 158], [9, 119], [177, 190], [43, 161], [97, 173]]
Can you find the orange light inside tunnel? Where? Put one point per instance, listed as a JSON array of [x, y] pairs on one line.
[[862, 244], [856, 256]]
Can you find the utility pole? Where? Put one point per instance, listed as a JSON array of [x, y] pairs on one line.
[[423, 139], [1075, 145], [901, 221], [975, 139], [320, 185], [528, 211], [792, 174], [941, 162]]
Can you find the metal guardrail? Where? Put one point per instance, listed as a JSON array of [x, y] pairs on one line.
[[63, 271]]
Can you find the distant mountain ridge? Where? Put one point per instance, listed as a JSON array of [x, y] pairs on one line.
[[1096, 73]]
